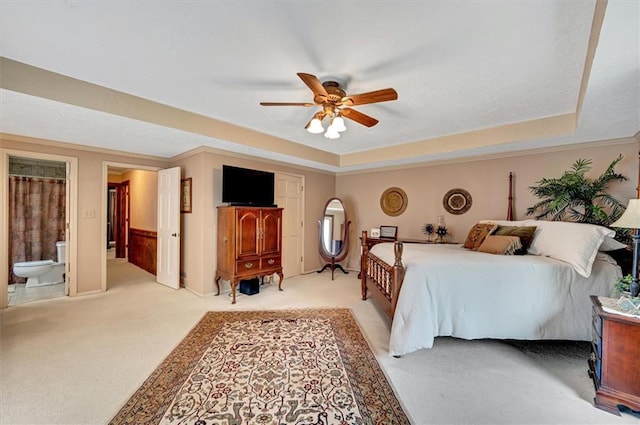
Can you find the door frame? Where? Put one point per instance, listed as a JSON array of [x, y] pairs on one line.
[[124, 221], [121, 217], [103, 211], [124, 214], [71, 233]]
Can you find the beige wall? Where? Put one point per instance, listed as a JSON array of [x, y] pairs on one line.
[[425, 186], [486, 181], [90, 198], [143, 199], [114, 178], [199, 228]]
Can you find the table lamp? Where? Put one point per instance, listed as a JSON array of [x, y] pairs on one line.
[[631, 220]]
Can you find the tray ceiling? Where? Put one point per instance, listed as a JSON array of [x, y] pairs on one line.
[[475, 78]]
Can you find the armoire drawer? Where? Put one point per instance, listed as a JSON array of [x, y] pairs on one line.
[[271, 262], [244, 266]]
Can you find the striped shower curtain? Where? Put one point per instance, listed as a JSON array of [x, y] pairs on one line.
[[36, 220]]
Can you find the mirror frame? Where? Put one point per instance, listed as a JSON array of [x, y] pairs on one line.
[[344, 250]]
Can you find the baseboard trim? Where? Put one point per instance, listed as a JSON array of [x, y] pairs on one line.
[[95, 291]]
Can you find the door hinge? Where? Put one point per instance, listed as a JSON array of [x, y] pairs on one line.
[[301, 223], [301, 259]]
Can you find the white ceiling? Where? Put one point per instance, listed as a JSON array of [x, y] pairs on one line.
[[458, 67]]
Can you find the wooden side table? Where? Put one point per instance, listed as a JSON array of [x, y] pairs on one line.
[[614, 365]]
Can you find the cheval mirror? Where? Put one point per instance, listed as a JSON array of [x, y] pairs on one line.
[[333, 238]]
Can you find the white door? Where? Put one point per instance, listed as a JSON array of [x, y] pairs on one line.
[[168, 257], [290, 196]]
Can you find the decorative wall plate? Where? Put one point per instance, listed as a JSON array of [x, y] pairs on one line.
[[457, 201], [393, 201]]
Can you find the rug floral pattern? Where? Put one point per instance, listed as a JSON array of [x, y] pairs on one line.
[[268, 367]]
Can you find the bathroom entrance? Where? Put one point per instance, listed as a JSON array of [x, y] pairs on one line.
[[37, 226]]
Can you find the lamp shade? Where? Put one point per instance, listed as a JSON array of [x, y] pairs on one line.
[[631, 217], [338, 124], [331, 133], [315, 126]]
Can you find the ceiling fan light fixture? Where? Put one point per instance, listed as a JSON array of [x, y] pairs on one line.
[[315, 126], [331, 133], [336, 104], [338, 124]]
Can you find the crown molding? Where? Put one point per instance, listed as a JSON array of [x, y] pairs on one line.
[[492, 156], [231, 154]]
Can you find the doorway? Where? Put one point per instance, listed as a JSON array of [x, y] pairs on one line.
[[37, 224], [66, 234], [128, 215]]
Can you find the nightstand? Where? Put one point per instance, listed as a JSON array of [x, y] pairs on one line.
[[614, 365]]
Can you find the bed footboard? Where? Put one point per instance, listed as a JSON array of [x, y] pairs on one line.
[[383, 280]]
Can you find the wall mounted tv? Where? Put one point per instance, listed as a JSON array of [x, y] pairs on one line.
[[243, 186]]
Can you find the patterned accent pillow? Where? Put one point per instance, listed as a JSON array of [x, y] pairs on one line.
[[525, 233], [502, 245], [476, 235]]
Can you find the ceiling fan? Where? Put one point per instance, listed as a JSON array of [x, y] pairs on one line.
[[336, 104]]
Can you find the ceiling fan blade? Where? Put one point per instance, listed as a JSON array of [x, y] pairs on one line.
[[358, 117], [383, 95], [286, 104], [319, 93]]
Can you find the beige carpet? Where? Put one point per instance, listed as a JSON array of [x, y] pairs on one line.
[[310, 366], [78, 360]]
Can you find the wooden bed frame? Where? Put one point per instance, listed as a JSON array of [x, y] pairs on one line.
[[384, 280]]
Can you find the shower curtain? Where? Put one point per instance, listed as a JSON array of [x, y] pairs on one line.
[[36, 220]]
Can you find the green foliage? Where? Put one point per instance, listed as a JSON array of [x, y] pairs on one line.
[[623, 284], [578, 198]]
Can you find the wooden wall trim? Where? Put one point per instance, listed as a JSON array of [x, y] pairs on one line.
[[143, 249]]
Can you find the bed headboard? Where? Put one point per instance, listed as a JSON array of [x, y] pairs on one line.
[[510, 200]]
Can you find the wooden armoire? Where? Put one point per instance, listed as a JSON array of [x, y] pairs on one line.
[[249, 245]]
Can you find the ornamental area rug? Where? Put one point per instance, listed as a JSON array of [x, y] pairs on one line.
[[299, 367]]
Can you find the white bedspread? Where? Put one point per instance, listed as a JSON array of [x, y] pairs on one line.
[[451, 291]]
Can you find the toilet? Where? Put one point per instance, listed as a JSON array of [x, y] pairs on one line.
[[43, 272]]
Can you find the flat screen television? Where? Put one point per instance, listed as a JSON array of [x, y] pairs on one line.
[[243, 186]]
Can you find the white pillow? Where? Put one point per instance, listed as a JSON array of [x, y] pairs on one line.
[[610, 244], [601, 256], [573, 243]]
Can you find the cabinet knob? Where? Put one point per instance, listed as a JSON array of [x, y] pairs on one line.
[[271, 261], [248, 265]]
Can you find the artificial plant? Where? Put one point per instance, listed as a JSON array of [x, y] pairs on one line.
[[578, 197]]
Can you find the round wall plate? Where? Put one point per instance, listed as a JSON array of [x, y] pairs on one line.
[[393, 201], [457, 201]]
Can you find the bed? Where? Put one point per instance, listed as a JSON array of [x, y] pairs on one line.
[[431, 290]]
